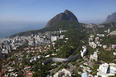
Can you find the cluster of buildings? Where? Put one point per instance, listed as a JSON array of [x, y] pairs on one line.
[[94, 56], [93, 25], [40, 43], [18, 59], [9, 44], [36, 46], [94, 42], [90, 25], [106, 70]]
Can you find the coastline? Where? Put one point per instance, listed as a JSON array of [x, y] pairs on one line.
[[4, 32]]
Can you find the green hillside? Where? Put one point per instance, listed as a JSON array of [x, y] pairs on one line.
[[65, 25]]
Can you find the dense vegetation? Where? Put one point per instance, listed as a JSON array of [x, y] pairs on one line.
[[107, 56], [67, 48], [111, 26], [108, 40]]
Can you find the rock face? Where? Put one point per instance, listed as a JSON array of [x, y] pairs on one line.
[[66, 15], [111, 18]]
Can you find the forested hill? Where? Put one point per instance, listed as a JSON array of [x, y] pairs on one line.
[[111, 25], [66, 20], [64, 24]]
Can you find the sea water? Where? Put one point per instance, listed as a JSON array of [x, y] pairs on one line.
[[7, 29]]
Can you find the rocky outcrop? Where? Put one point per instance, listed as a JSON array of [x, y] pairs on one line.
[[111, 18], [66, 15]]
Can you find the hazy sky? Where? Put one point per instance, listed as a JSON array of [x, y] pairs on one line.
[[94, 11]]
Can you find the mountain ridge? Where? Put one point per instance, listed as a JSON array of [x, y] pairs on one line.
[[67, 20], [111, 18], [66, 15]]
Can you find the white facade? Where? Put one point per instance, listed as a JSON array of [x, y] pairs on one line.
[[114, 53], [63, 73], [108, 30], [84, 51], [4, 51], [97, 38], [94, 56], [61, 36], [104, 46], [100, 35], [92, 44], [47, 56], [53, 38], [113, 33], [113, 46], [106, 70], [90, 39], [91, 35]]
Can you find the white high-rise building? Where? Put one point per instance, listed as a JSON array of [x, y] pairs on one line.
[[54, 38], [106, 70], [84, 51], [94, 56]]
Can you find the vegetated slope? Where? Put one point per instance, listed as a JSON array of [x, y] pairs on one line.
[[64, 24]]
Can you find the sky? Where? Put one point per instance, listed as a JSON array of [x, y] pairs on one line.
[[41, 11]]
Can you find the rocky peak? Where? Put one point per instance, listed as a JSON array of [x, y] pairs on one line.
[[66, 15], [70, 15], [111, 18]]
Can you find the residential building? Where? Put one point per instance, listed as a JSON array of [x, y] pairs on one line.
[[113, 33], [106, 70], [84, 74], [63, 73], [54, 38], [94, 56], [83, 51], [114, 46], [92, 44]]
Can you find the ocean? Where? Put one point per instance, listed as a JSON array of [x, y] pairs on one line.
[[7, 29]]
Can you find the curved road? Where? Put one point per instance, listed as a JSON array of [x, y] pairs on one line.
[[60, 59]]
